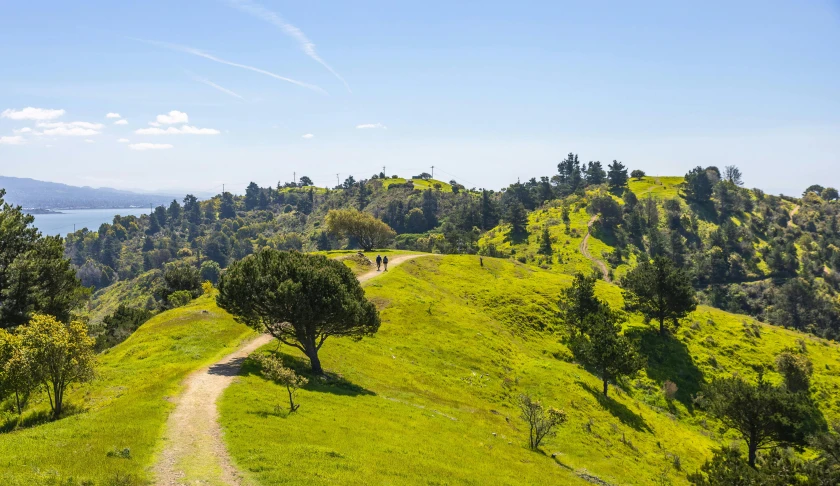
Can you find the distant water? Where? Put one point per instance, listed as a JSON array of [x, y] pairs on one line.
[[61, 224]]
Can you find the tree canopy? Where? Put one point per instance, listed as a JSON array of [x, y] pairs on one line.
[[299, 299], [660, 291], [366, 229]]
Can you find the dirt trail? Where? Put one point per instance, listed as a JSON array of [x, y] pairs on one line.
[[194, 452], [792, 213], [584, 249]]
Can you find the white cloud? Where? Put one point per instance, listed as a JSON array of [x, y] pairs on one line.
[[64, 131], [113, 115], [154, 124], [184, 130], [14, 140], [199, 53], [371, 125], [30, 113], [306, 45], [173, 117], [150, 146], [121, 122], [22, 130], [220, 88], [75, 124], [89, 141], [122, 140], [308, 136]]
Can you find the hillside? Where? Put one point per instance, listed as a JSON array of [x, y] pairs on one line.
[[31, 193], [125, 408], [431, 395]]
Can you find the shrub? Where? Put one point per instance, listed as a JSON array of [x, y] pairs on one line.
[[211, 271], [541, 422], [179, 298], [669, 389], [273, 369], [796, 369]]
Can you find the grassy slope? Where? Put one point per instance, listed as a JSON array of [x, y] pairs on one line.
[[659, 187], [133, 293], [126, 406], [419, 183], [431, 394]]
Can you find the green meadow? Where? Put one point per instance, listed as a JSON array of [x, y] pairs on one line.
[[124, 408], [430, 398]]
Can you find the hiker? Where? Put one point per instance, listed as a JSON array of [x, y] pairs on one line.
[[378, 262], [385, 261]]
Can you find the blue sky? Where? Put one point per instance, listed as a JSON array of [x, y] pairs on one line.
[[486, 91]]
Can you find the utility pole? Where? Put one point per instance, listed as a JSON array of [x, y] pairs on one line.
[[336, 181], [223, 189], [383, 170], [433, 172]]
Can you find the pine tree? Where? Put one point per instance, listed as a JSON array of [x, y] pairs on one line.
[[517, 218], [660, 291], [545, 243], [617, 175]]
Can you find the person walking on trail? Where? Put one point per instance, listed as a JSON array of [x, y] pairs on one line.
[[385, 261], [378, 262]]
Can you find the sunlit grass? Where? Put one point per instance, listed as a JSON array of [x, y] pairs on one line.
[[429, 399], [125, 407]]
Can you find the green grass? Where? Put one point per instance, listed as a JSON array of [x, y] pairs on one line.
[[428, 400], [348, 257], [420, 184], [567, 257], [126, 406], [659, 187]]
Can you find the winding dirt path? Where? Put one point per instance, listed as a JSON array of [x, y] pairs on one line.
[[584, 249], [194, 451], [792, 213]]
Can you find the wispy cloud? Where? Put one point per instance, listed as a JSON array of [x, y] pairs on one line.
[[306, 45], [184, 130], [365, 126], [150, 146], [13, 140], [113, 115], [121, 122], [22, 130], [200, 53], [308, 136], [75, 124], [122, 140], [30, 113], [220, 88]]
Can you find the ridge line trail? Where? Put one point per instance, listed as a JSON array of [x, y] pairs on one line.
[[193, 437], [584, 249], [792, 213]]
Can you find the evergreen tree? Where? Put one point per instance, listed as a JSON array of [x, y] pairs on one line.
[[569, 174], [660, 291], [227, 209], [764, 415], [595, 173], [252, 195], [545, 243], [517, 218], [617, 175], [603, 347], [174, 211], [192, 209], [698, 186]]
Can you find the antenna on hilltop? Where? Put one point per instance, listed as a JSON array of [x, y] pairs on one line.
[[433, 172]]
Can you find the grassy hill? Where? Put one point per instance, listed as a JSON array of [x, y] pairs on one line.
[[124, 408], [429, 399]]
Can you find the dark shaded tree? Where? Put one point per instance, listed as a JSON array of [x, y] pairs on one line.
[[617, 175], [660, 291], [299, 299]]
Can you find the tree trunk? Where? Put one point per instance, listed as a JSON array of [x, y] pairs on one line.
[[59, 399], [751, 446], [605, 386], [314, 361], [662, 326]]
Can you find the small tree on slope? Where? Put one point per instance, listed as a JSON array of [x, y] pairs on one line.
[[541, 422], [299, 299], [365, 228], [273, 369], [660, 291]]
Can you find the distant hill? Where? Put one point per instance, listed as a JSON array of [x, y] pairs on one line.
[[31, 193]]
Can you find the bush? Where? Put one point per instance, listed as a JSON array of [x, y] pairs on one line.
[[637, 174], [179, 298], [211, 271], [541, 422], [121, 324]]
